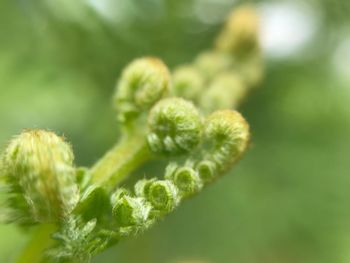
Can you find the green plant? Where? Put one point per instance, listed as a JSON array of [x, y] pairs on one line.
[[183, 117]]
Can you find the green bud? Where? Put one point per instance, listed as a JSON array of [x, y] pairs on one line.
[[187, 82], [163, 195], [187, 181], [206, 170], [240, 34], [228, 133], [131, 211], [225, 92], [142, 187], [174, 127], [38, 167], [211, 63], [142, 83]]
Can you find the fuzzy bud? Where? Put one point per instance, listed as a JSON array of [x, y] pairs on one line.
[[206, 170], [163, 195], [186, 180], [38, 168], [141, 187], [240, 34], [225, 92], [211, 63], [187, 82], [131, 211], [143, 82], [174, 127], [228, 134]]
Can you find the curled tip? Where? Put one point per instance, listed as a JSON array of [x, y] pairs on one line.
[[131, 211], [206, 170], [174, 127], [142, 187], [38, 167], [187, 82], [225, 92], [163, 195], [143, 82], [186, 180], [228, 133], [210, 63], [240, 34]]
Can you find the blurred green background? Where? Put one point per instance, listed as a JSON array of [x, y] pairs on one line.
[[286, 201]]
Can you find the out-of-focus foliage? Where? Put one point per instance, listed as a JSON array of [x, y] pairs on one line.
[[287, 201]]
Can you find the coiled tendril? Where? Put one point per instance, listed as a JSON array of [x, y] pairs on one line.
[[174, 126], [226, 135], [226, 91], [240, 34], [143, 82], [188, 82]]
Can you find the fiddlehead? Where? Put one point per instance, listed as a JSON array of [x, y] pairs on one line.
[[226, 136], [188, 82], [240, 35], [210, 63], [131, 211], [185, 178], [174, 127], [226, 91], [217, 80], [162, 195], [39, 172], [231, 69], [143, 82]]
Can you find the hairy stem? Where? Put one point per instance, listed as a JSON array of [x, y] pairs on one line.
[[123, 158], [39, 241]]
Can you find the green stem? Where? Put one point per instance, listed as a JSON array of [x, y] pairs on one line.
[[118, 162], [39, 241]]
